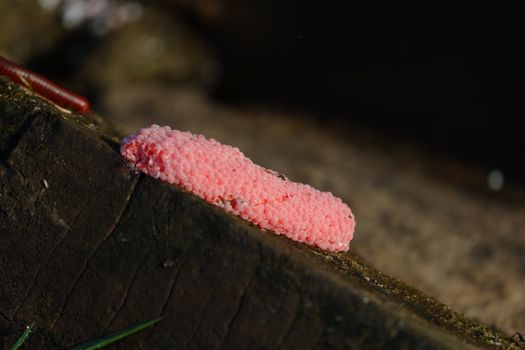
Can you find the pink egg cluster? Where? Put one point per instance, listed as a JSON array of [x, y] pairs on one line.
[[224, 176]]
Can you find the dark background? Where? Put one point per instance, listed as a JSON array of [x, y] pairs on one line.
[[449, 76]]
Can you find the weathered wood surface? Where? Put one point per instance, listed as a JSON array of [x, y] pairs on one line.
[[87, 246]]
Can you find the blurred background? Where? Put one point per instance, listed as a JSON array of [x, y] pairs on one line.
[[409, 112]]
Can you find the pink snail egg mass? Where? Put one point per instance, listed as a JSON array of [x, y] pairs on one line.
[[224, 176]]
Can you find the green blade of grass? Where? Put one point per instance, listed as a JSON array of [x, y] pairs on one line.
[[116, 336], [23, 337]]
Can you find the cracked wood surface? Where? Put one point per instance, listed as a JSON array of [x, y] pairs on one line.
[[87, 254]]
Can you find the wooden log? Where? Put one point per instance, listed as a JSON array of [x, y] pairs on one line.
[[88, 246]]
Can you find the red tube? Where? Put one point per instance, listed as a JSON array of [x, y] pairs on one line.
[[43, 86]]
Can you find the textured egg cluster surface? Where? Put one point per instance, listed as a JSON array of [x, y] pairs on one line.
[[224, 176]]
